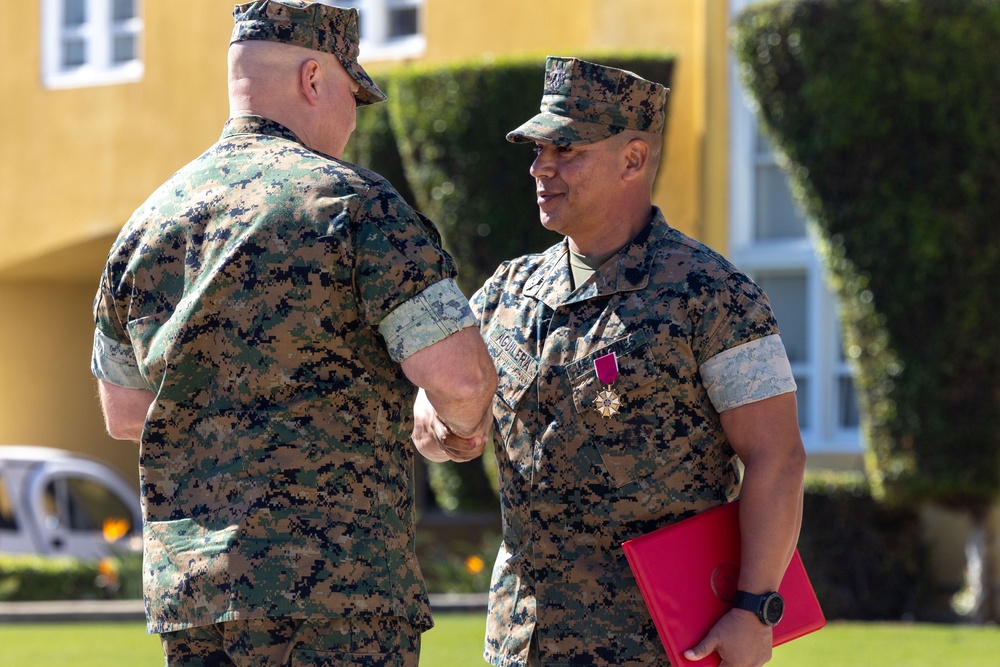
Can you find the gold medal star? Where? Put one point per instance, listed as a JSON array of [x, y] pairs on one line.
[[608, 403]]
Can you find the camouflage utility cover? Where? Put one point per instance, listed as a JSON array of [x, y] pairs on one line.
[[583, 102], [575, 484], [312, 26], [275, 466]]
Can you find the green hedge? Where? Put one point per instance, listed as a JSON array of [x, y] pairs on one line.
[[28, 577], [866, 560], [449, 125], [886, 115], [373, 144]]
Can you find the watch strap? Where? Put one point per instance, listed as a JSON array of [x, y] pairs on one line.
[[749, 601], [769, 607]]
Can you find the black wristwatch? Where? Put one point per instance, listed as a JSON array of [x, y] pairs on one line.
[[769, 607]]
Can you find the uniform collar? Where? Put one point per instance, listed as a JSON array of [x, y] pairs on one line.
[[626, 271], [257, 125]]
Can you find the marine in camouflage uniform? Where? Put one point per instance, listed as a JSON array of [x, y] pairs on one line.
[[692, 337], [266, 295]]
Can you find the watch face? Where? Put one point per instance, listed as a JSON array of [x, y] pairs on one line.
[[774, 608]]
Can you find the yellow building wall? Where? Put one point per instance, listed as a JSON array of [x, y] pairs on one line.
[[457, 29], [76, 162], [48, 396], [105, 148]]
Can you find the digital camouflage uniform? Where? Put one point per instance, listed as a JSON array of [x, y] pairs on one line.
[[575, 484], [275, 466], [266, 294]]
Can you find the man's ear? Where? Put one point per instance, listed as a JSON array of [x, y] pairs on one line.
[[309, 81], [636, 157]]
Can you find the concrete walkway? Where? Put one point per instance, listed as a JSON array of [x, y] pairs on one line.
[[58, 611]]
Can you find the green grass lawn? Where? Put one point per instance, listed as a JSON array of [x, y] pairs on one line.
[[457, 641], [842, 644]]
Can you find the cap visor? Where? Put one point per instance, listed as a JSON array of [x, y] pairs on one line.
[[368, 93], [549, 128]]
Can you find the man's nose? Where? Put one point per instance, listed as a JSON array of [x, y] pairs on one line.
[[543, 165]]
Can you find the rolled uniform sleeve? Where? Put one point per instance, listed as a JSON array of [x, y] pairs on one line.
[[115, 362], [404, 278], [748, 373], [427, 318], [111, 359]]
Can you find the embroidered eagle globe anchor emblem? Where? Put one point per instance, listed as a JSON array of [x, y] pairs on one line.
[[607, 402], [556, 78]]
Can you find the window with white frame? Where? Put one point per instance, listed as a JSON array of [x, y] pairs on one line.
[[389, 28], [770, 241], [90, 42]]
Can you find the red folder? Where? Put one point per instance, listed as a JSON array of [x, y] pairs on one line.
[[688, 570]]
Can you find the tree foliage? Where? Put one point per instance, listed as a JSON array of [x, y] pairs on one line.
[[886, 115]]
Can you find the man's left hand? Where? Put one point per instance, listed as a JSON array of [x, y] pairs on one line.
[[739, 637]]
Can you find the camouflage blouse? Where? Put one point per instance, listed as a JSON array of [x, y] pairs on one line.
[[577, 479], [275, 466]]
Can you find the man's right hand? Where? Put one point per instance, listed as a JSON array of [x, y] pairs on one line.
[[454, 408], [435, 441]]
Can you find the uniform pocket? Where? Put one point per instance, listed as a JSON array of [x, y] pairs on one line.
[[636, 369], [182, 541], [506, 629], [185, 565], [629, 442]]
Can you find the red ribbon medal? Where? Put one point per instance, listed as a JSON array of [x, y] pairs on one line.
[[607, 402]]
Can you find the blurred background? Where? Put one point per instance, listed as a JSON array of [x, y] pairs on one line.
[[104, 99]]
